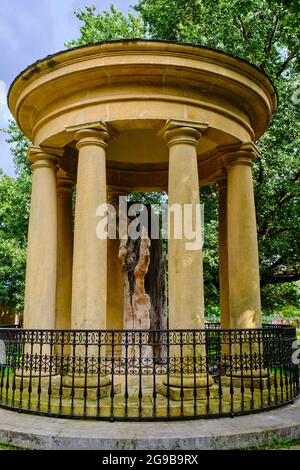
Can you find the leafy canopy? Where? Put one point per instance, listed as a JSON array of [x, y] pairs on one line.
[[14, 214], [106, 26]]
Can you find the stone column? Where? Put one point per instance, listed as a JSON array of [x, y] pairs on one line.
[[223, 253], [186, 298], [40, 289], [243, 265], [89, 280], [64, 251], [115, 293], [114, 274], [243, 272], [89, 293], [186, 293]]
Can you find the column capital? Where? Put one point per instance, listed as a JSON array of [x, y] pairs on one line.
[[44, 157], [64, 180], [241, 154], [181, 131], [92, 133]]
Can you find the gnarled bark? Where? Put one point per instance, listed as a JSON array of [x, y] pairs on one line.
[[134, 257]]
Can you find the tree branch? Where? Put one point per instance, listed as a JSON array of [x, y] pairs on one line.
[[245, 34], [284, 65], [277, 279], [297, 177], [265, 230], [285, 229], [276, 263], [270, 43], [285, 198], [261, 177], [289, 194]]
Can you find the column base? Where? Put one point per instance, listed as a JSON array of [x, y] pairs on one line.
[[256, 381], [188, 380], [33, 393], [91, 394], [188, 386], [35, 375], [83, 381]]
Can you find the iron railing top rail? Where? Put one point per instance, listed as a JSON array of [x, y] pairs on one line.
[[264, 327], [171, 337]]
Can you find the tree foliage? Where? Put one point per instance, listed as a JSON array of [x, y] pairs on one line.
[[18, 147], [281, 299], [106, 26], [265, 32], [14, 216], [14, 213]]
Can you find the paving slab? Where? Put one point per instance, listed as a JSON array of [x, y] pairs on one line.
[[45, 433]]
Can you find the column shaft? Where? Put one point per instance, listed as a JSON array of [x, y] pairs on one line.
[[185, 264], [115, 294], [243, 265], [223, 255], [40, 290], [89, 293], [186, 296], [64, 253]]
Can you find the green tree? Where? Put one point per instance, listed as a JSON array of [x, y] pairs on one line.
[[14, 216], [281, 299], [265, 32], [106, 26], [14, 213], [18, 147]]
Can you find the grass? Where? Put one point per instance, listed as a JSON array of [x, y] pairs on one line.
[[279, 443], [9, 447]]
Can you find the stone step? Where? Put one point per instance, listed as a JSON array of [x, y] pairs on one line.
[[134, 391], [176, 393], [149, 406], [78, 393], [161, 408]]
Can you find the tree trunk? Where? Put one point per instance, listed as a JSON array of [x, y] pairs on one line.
[[143, 270], [155, 284]]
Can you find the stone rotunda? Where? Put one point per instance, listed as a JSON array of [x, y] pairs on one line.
[[130, 116]]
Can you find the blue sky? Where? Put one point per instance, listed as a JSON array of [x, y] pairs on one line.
[[30, 30]]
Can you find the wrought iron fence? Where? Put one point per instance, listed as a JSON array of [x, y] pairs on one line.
[[147, 375]]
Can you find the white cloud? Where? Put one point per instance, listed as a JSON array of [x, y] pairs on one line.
[[2, 93], [5, 114], [6, 162], [8, 37]]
